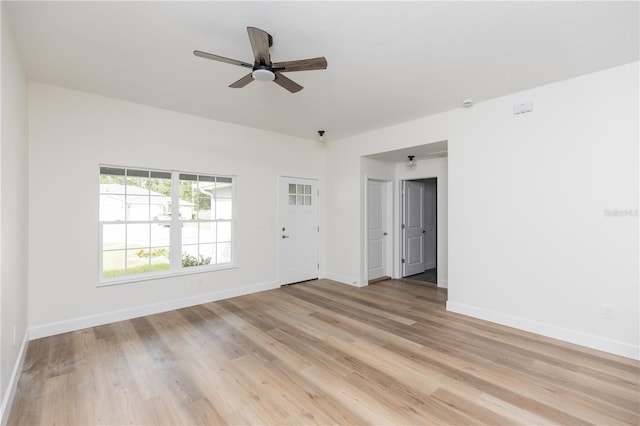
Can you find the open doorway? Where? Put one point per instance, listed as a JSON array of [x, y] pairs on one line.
[[419, 206]]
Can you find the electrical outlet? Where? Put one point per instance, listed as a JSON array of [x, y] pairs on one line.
[[608, 312]]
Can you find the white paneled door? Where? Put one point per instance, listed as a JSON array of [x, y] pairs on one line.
[[298, 231], [376, 229], [413, 227]]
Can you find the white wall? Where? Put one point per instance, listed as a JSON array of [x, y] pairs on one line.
[[71, 133], [13, 215], [530, 244]]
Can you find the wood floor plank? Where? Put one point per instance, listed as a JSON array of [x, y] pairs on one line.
[[321, 353]]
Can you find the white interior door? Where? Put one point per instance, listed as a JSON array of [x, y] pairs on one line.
[[430, 223], [298, 230], [376, 229], [413, 224]]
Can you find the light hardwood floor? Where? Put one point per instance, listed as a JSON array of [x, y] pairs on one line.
[[321, 353]]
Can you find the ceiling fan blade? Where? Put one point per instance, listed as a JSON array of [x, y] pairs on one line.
[[242, 82], [301, 65], [260, 45], [287, 83], [221, 59]]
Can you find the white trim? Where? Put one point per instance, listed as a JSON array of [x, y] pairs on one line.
[[125, 314], [615, 347], [443, 283], [10, 393], [343, 279]]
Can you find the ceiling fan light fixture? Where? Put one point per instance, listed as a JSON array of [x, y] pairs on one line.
[[263, 75]]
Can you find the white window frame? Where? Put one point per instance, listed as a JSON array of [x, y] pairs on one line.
[[175, 242]]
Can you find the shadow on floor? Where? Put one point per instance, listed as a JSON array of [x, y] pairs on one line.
[[429, 276]]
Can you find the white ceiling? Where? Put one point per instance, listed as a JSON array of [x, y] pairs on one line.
[[389, 62]]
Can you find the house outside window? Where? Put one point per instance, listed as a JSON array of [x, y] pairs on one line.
[[141, 209]]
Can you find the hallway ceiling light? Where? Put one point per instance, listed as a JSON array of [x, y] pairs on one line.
[[411, 162]]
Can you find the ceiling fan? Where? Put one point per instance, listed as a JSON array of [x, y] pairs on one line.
[[262, 68]]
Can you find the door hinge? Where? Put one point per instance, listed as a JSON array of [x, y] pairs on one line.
[[318, 266], [403, 226], [402, 260], [318, 229]]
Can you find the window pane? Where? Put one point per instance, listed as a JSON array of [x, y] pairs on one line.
[[116, 171], [159, 258], [292, 200], [190, 256], [137, 185], [224, 208], [113, 237], [187, 192], [299, 200], [307, 189], [161, 175], [190, 233], [184, 176], [160, 207], [292, 188], [137, 173], [138, 261], [207, 254], [300, 189], [204, 208], [160, 235], [137, 207], [113, 263], [160, 187], [138, 235], [223, 253], [223, 191], [112, 207], [224, 231], [112, 186], [307, 200], [207, 232]]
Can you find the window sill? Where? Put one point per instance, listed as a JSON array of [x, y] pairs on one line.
[[160, 276]]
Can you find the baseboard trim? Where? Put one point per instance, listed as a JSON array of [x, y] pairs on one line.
[[571, 336], [10, 393], [442, 283], [139, 311], [343, 279]]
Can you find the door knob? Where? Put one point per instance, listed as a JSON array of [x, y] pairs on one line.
[[284, 236]]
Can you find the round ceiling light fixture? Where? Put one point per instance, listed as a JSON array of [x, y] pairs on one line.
[[263, 75], [467, 102]]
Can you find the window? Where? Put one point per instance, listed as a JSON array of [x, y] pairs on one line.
[[140, 210], [299, 195]]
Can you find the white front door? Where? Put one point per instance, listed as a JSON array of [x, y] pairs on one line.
[[298, 230], [376, 229], [413, 224]]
